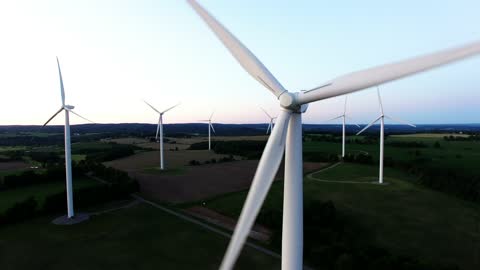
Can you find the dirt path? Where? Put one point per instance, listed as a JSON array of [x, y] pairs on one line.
[[310, 177], [130, 204], [206, 226], [258, 232]]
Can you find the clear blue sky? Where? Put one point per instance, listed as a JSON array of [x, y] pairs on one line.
[[116, 53]]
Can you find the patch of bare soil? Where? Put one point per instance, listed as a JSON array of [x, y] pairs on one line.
[[13, 165], [202, 182]]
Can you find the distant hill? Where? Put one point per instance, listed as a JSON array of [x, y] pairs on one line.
[[139, 129]]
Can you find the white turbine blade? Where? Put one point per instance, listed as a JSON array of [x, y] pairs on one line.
[[151, 106], [211, 115], [348, 117], [158, 128], [375, 76], [62, 90], [269, 127], [369, 125], [266, 113], [379, 99], [245, 57], [81, 116], [61, 109], [264, 176], [400, 121], [335, 118], [170, 108], [212, 128]]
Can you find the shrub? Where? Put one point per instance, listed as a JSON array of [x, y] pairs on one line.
[[20, 211]]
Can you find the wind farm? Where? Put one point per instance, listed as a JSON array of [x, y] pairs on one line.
[[240, 189]]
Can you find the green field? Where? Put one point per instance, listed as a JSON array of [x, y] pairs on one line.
[[39, 192], [405, 218], [140, 237], [78, 157], [461, 155], [402, 216]]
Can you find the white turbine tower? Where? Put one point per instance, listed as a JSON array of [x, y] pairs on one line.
[[382, 132], [210, 127], [344, 117], [68, 156], [160, 130], [287, 135], [270, 125]]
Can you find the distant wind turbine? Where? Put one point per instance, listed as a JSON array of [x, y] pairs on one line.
[[68, 156], [272, 119], [160, 130], [382, 132], [287, 134], [343, 116], [210, 127]]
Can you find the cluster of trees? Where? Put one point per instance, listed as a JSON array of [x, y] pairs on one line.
[[473, 137], [456, 182], [320, 157], [194, 162], [335, 241], [28, 139], [323, 138], [460, 183], [116, 152], [403, 144], [12, 155], [118, 186], [248, 149], [28, 178], [362, 158], [367, 139]]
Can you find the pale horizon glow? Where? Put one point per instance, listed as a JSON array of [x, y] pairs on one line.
[[115, 54]]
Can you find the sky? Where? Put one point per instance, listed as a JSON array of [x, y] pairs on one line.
[[116, 53]]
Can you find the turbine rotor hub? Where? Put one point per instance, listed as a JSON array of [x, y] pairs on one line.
[[289, 101], [69, 107]]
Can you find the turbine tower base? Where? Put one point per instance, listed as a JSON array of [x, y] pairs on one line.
[[65, 220]]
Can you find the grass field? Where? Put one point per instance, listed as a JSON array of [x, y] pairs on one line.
[[461, 155], [140, 237], [39, 192], [78, 157], [405, 218], [173, 159]]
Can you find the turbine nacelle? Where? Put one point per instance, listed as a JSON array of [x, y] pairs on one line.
[[289, 102], [69, 107]]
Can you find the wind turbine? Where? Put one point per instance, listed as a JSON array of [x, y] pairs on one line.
[[160, 129], [382, 132], [343, 116], [210, 127], [68, 156], [270, 125], [287, 134]]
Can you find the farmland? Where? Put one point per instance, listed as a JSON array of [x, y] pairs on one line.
[[403, 217], [39, 192], [140, 237]]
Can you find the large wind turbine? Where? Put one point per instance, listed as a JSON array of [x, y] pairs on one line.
[[382, 132], [287, 134], [344, 117], [270, 125], [210, 127], [68, 156], [160, 129]]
